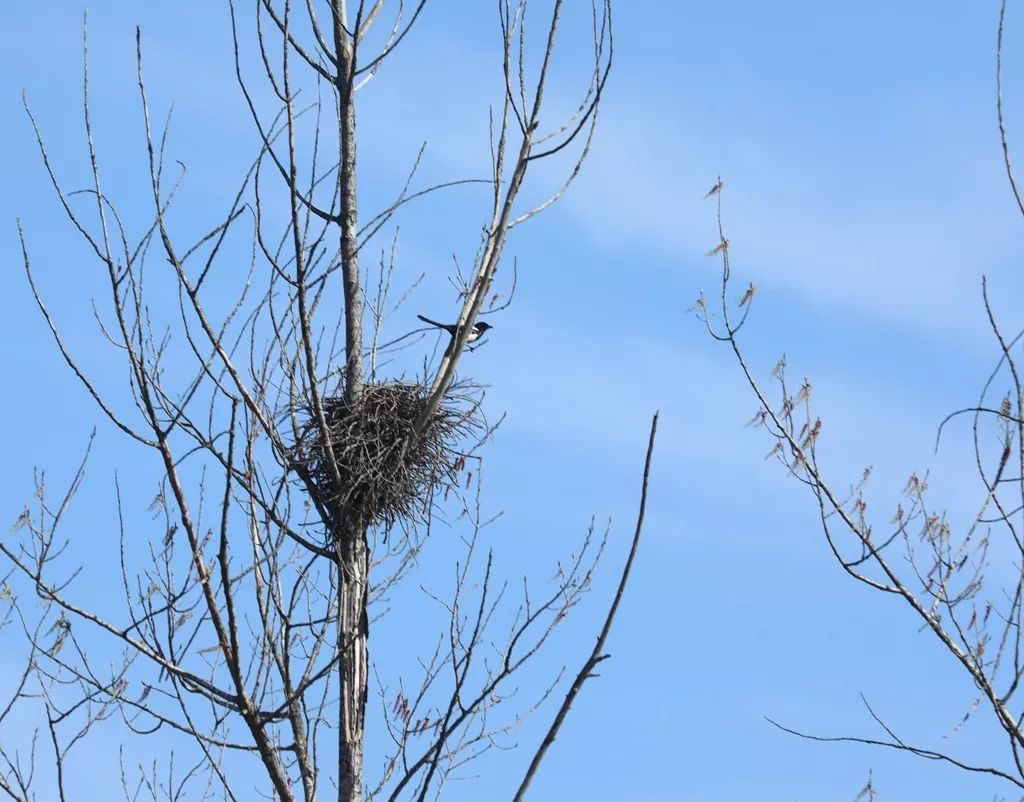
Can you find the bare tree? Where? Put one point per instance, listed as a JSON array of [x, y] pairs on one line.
[[298, 482], [953, 577]]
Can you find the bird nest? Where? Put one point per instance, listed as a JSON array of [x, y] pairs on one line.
[[387, 473]]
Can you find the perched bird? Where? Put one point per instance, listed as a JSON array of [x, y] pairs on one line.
[[478, 330]]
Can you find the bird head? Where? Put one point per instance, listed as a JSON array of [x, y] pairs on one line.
[[483, 326]]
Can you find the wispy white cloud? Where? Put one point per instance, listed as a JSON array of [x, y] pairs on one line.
[[855, 231]]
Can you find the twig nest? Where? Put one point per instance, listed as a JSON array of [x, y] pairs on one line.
[[384, 473]]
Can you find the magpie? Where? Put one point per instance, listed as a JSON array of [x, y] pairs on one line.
[[478, 330]]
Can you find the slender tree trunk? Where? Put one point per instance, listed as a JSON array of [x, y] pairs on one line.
[[349, 528], [352, 633], [345, 49]]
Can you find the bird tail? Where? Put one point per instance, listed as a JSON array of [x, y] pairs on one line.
[[432, 322]]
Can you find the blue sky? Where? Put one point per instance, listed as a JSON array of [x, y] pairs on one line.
[[865, 197]]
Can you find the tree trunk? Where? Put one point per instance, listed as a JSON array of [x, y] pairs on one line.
[[345, 50], [353, 555], [349, 527]]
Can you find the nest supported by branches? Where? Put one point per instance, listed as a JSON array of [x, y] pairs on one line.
[[387, 474]]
